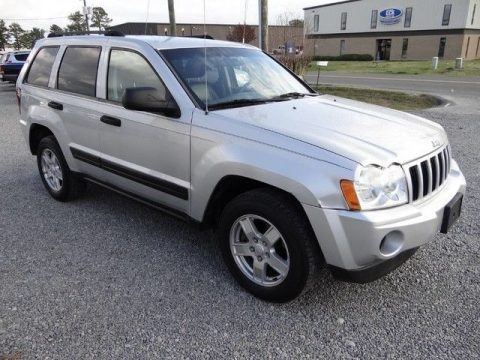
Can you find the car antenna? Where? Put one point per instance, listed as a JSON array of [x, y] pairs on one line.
[[205, 54], [146, 18]]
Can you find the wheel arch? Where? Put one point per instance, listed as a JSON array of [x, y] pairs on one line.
[[36, 133], [230, 186]]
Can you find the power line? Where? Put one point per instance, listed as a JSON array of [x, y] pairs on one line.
[[35, 19]]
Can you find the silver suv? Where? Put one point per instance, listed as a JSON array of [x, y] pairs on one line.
[[221, 134]]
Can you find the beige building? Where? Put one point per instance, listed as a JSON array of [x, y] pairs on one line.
[[278, 35], [395, 29]]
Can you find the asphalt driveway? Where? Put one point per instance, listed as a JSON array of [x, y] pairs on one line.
[[106, 277]]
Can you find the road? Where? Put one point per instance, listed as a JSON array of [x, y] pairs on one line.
[[445, 86], [105, 277]]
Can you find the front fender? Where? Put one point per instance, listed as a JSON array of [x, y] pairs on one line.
[[309, 180]]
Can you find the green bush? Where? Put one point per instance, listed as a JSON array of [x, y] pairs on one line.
[[345, 57]]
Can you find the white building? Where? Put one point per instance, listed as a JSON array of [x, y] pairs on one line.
[[396, 29]]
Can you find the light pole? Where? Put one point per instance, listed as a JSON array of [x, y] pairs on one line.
[[263, 24], [171, 13]]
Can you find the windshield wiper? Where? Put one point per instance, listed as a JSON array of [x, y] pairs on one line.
[[293, 95], [237, 103], [247, 102]]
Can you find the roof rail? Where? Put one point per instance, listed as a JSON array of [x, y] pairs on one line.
[[73, 33], [206, 36]]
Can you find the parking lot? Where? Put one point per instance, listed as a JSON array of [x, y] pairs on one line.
[[106, 277]]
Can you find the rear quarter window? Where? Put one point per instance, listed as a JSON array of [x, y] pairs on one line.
[[39, 72], [78, 70]]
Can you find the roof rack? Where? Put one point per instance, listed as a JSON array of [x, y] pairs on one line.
[[74, 33]]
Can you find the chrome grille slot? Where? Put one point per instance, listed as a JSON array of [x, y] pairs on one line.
[[428, 174]]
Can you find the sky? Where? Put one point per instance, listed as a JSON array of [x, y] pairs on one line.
[[47, 12]]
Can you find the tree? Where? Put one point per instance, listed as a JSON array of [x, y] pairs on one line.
[[3, 35], [15, 32], [100, 19], [77, 22], [54, 28], [296, 22], [28, 39], [237, 31]]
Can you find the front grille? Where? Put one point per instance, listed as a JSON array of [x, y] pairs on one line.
[[427, 175]]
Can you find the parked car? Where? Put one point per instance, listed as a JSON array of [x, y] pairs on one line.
[[11, 64], [226, 137]]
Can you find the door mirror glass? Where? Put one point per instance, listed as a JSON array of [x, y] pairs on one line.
[[150, 99]]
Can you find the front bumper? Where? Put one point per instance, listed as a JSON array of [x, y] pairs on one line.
[[352, 241]]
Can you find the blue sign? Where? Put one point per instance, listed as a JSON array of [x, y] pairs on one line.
[[390, 16]]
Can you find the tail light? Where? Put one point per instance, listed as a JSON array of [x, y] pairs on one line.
[[19, 98], [1, 69]]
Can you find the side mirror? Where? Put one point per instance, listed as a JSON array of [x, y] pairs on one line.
[[149, 99]]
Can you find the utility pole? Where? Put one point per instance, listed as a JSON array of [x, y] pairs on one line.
[[171, 13], [85, 11], [263, 26]]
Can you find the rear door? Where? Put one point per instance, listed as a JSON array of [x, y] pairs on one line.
[[76, 103]]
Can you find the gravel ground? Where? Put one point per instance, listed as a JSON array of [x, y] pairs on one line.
[[106, 277]]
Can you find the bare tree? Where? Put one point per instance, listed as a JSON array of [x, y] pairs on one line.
[[288, 31], [238, 32]]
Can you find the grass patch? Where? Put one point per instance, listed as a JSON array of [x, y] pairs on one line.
[[391, 99], [445, 67]]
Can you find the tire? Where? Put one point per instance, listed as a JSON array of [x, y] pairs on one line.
[[260, 272], [70, 186]]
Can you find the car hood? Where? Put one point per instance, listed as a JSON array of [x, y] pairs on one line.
[[367, 134]]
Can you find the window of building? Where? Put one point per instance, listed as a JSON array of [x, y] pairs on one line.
[[316, 23], [447, 11], [468, 45], [441, 48], [39, 73], [404, 48], [408, 17], [374, 20], [78, 70], [343, 25], [473, 14], [342, 47], [128, 69]]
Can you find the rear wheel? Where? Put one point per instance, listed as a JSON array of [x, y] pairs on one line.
[[268, 245], [56, 176]]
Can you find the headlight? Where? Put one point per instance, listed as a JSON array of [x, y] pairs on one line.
[[376, 188]]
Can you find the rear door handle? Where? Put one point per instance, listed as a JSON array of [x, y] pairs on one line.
[[55, 105], [111, 120]]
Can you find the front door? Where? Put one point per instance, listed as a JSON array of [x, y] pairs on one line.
[[143, 153], [383, 49]]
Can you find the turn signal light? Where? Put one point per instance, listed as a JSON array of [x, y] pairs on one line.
[[350, 195]]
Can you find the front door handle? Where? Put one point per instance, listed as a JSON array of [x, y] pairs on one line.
[[111, 120], [55, 105]]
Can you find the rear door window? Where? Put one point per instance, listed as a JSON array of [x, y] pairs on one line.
[[78, 70], [39, 73]]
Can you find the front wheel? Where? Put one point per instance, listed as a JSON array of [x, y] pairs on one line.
[[267, 244]]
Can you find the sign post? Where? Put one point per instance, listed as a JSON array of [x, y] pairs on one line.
[[320, 64]]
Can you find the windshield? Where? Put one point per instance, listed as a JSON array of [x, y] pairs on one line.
[[235, 76]]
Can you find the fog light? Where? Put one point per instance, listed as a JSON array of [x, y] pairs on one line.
[[392, 243]]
